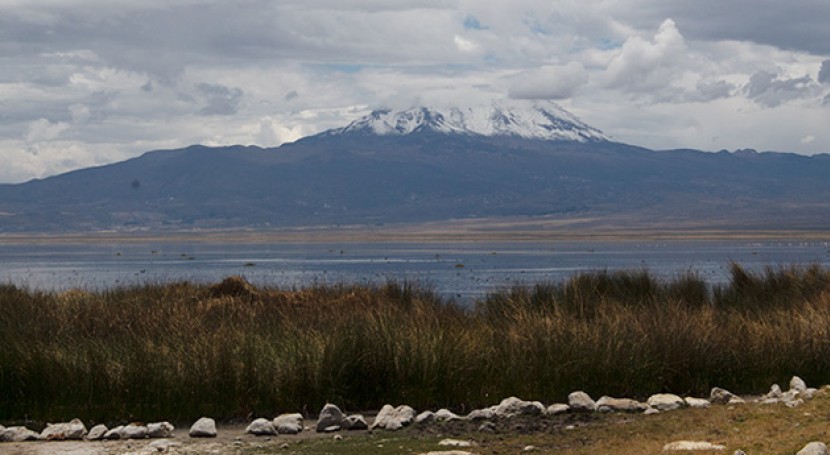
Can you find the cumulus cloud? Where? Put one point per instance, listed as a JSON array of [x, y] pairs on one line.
[[43, 130], [549, 82], [645, 65]]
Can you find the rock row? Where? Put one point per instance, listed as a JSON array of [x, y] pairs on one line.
[[392, 418]]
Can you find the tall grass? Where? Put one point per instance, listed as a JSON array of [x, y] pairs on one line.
[[179, 351]]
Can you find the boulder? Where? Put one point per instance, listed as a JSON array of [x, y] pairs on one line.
[[330, 416], [18, 434], [774, 392], [97, 432], [133, 431], [288, 423], [610, 404], [74, 429], [393, 419], [203, 428], [665, 402], [160, 430], [650, 411], [721, 396], [557, 408], [813, 448], [691, 446], [580, 401], [798, 384], [513, 406], [261, 427], [354, 422]]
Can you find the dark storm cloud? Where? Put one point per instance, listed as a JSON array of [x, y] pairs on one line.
[[770, 90], [221, 100]]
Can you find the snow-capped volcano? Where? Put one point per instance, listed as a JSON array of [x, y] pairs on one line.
[[532, 120]]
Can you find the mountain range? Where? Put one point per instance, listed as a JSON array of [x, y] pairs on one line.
[[525, 160]]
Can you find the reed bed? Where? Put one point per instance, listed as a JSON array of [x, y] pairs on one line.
[[179, 351]]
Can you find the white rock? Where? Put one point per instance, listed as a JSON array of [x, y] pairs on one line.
[[447, 452], [445, 415], [330, 416], [513, 406], [809, 393], [455, 443], [18, 434], [691, 446], [610, 404], [203, 428], [482, 414], [354, 422], [74, 429], [798, 384], [97, 432], [651, 411], [813, 448], [289, 423], [774, 392], [163, 445], [721, 396], [425, 418], [736, 400], [580, 401], [393, 419], [794, 403], [160, 430], [261, 427], [114, 433], [739, 452], [665, 402], [557, 408], [133, 431], [697, 403]]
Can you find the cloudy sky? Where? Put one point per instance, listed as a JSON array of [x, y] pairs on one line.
[[88, 82]]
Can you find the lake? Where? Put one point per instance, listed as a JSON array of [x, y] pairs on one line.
[[463, 271]]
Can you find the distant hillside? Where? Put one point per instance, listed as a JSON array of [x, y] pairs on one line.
[[369, 173]]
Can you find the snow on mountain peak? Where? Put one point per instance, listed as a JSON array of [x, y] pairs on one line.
[[532, 120]]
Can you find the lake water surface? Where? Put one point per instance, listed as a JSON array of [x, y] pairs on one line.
[[460, 270]]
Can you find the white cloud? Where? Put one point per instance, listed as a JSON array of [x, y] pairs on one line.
[[645, 65], [549, 82]]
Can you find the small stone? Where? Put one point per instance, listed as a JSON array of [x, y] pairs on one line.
[[354, 422], [487, 427], [288, 423], [482, 414], [160, 430], [454, 443], [798, 384], [691, 446], [651, 411], [529, 449], [697, 403], [610, 404], [813, 448], [18, 434], [774, 392], [570, 427], [203, 428], [337, 437], [285, 446], [114, 433], [794, 403], [425, 418], [580, 401], [557, 408], [392, 419], [261, 427], [163, 445], [721, 396], [133, 431], [97, 432], [447, 452], [72, 430], [739, 452], [665, 402], [445, 415], [329, 416]]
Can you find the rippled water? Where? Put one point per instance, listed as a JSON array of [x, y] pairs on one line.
[[460, 270]]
